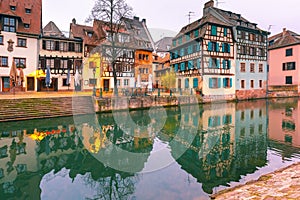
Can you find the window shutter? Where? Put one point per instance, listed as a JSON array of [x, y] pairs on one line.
[[231, 82], [229, 64], [283, 66], [218, 63], [224, 64], [223, 47], [190, 64], [210, 63], [182, 66], [195, 82], [176, 67], [209, 46], [217, 47], [228, 50], [210, 83], [198, 47], [219, 82], [186, 83], [43, 63], [225, 31]]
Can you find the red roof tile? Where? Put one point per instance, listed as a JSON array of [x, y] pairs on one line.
[[285, 38], [34, 18]]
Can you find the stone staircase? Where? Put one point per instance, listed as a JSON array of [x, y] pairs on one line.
[[33, 108]]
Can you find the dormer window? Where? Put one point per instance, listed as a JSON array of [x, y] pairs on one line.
[[90, 34], [26, 25], [13, 8], [27, 10]]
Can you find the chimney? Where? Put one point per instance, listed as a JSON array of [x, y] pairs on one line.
[[207, 5], [73, 21], [284, 32], [136, 18], [144, 21]]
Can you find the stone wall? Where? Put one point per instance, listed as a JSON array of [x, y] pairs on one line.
[[250, 94]]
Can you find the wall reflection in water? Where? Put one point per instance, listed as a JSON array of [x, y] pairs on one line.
[[232, 141]]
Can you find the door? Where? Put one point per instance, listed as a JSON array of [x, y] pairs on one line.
[[5, 84], [30, 83], [106, 84]]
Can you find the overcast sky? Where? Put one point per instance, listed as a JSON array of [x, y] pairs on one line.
[[172, 14]]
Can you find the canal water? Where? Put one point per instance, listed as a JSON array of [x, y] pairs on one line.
[[185, 152]]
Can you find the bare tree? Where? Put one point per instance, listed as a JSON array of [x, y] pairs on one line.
[[111, 12]]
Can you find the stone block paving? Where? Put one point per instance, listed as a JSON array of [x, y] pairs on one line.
[[283, 184]]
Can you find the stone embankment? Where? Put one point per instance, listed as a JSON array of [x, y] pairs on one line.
[[283, 184], [33, 108]]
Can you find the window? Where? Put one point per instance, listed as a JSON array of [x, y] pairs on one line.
[[21, 42], [242, 84], [288, 52], [126, 82], [252, 83], [214, 121], [196, 33], [9, 24], [227, 82], [227, 119], [27, 10], [71, 46], [26, 25], [260, 83], [226, 64], [65, 82], [288, 80], [252, 51], [118, 82], [243, 115], [260, 68], [251, 37], [288, 125], [13, 8], [251, 114], [226, 47], [213, 30], [93, 81], [243, 50], [20, 62], [213, 46], [214, 63], [3, 61], [288, 66], [252, 67], [243, 67], [214, 82], [1, 39]]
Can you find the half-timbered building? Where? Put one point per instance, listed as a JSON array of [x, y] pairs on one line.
[[62, 55], [91, 37], [202, 55], [21, 25], [251, 56], [144, 46]]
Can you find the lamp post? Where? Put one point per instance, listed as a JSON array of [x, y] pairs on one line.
[[94, 84]]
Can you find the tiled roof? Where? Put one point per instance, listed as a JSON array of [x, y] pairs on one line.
[[52, 30], [164, 44], [283, 39], [91, 35], [34, 18], [139, 33]]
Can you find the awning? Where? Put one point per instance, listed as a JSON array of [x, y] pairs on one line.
[[37, 74]]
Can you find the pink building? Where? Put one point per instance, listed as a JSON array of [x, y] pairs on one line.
[[284, 63]]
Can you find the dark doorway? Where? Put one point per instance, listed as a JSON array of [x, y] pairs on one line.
[[5, 84], [106, 84], [30, 83]]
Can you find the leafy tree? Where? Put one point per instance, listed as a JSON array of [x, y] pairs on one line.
[[111, 12], [169, 79]]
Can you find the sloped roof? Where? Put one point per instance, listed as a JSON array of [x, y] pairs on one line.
[[52, 30], [91, 35], [164, 44], [140, 33], [34, 18], [283, 39]]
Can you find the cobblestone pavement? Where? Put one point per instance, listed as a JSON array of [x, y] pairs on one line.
[[283, 184]]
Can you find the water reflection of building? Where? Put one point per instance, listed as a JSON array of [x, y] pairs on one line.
[[284, 121], [24, 161], [232, 141]]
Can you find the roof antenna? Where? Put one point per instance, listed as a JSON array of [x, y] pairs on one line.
[[218, 2], [190, 15]]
